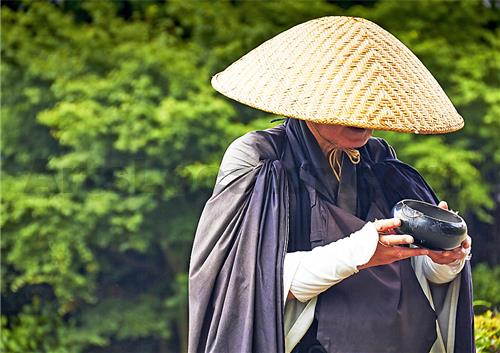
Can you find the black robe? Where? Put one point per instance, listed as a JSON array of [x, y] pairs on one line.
[[260, 209]]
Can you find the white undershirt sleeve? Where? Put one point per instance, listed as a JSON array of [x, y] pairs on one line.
[[438, 273], [313, 272]]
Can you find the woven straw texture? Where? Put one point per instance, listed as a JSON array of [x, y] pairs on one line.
[[341, 70]]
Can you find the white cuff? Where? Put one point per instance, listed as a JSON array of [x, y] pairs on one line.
[[441, 273], [312, 272]]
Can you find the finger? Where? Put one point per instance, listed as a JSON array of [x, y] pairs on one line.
[[443, 205], [467, 243], [460, 252], [387, 224], [403, 253], [458, 249], [395, 239], [387, 232], [446, 256], [463, 252], [446, 253], [384, 225], [437, 255]]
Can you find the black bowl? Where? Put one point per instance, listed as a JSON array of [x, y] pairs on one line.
[[430, 226]]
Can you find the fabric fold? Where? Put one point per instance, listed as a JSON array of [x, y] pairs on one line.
[[235, 277]]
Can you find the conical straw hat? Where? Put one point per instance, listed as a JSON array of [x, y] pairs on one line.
[[341, 70]]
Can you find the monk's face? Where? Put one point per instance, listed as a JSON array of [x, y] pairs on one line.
[[343, 136]]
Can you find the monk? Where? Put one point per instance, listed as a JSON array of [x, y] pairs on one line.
[[295, 250]]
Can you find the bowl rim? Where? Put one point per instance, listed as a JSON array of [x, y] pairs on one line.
[[459, 221]]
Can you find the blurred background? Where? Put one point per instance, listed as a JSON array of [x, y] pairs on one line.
[[112, 137]]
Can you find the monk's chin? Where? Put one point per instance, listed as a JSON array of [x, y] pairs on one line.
[[358, 130]]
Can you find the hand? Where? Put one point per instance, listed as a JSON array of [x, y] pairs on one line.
[[387, 250], [448, 256]]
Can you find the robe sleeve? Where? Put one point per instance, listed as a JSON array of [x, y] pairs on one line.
[[236, 265]]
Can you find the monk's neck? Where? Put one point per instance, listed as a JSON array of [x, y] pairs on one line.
[[325, 145]]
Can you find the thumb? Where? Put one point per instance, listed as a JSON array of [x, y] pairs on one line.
[[443, 205]]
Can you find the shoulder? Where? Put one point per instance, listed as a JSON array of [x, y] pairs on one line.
[[245, 152], [255, 146], [398, 179], [379, 149]]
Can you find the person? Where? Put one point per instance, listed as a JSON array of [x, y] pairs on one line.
[[296, 249]]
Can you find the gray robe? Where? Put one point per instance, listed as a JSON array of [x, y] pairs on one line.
[[260, 209]]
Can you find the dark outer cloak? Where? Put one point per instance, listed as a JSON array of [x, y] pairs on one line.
[[260, 208]]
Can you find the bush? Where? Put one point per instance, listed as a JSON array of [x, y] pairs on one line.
[[487, 330], [487, 285]]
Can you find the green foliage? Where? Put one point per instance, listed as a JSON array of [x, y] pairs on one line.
[[127, 120], [451, 171], [486, 281], [112, 137], [27, 330], [487, 284], [459, 43], [487, 332]]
